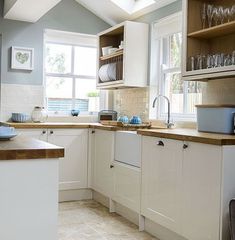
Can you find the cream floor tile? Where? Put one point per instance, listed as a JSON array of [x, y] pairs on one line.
[[89, 220]]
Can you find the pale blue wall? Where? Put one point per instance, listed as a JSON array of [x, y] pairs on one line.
[[68, 15]]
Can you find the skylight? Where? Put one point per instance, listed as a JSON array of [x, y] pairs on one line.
[[133, 6]]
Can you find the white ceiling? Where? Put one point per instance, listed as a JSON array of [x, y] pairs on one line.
[[112, 14], [27, 10]]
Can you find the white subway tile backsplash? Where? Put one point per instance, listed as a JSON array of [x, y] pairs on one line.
[[19, 98]]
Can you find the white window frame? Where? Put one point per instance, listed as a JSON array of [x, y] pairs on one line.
[[160, 29], [74, 40]]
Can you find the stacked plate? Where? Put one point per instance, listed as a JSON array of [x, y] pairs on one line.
[[107, 72]]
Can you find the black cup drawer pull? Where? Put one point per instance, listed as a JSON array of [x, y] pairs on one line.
[[44, 132], [185, 146], [160, 143], [51, 132]]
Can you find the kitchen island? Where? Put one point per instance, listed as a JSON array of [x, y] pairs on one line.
[[28, 189]]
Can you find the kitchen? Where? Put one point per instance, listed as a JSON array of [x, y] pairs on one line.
[[121, 118]]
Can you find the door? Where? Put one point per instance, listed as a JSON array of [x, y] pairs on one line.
[[127, 186], [103, 156], [161, 181], [40, 134], [73, 167], [201, 191]]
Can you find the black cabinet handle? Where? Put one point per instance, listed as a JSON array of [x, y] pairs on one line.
[[93, 131], [44, 132], [111, 166], [185, 146], [160, 143], [51, 132]]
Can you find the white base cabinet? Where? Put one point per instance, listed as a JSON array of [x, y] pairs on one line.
[[126, 190], [102, 157], [73, 170], [186, 187]]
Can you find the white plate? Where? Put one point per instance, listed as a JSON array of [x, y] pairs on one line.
[[7, 137]]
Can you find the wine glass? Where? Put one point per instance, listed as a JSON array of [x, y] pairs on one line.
[[221, 14], [210, 14], [226, 14], [216, 14], [203, 15]]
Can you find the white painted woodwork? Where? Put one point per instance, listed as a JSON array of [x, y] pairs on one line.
[[29, 199], [201, 186], [135, 57], [29, 10], [161, 181], [40, 134], [103, 156], [73, 167], [127, 186]]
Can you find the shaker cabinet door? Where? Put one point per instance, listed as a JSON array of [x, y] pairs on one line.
[[161, 181]]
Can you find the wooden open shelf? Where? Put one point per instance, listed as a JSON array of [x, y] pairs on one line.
[[216, 31], [115, 54]]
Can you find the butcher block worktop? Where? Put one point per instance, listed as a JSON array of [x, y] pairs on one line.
[[183, 134], [192, 135], [28, 148]]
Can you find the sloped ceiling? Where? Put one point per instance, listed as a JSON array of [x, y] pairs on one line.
[[112, 14]]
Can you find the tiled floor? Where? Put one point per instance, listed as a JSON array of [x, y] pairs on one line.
[[88, 220]]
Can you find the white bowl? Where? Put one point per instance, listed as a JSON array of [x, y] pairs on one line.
[[112, 50], [105, 50]]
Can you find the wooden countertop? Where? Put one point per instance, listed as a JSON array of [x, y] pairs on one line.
[[192, 135], [182, 134], [28, 148]]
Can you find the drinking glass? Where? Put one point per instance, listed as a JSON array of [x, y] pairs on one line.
[[228, 60], [226, 14], [233, 58], [233, 12], [203, 15], [216, 14], [210, 14], [209, 61]]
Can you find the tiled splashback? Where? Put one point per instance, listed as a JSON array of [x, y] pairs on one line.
[[19, 98], [134, 101]]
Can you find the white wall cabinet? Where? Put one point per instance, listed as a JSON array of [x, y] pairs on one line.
[[186, 187], [161, 181], [126, 191], [73, 172], [102, 158]]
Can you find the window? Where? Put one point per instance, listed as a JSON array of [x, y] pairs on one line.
[[166, 71], [70, 73]]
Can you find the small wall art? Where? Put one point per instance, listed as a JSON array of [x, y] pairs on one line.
[[22, 58]]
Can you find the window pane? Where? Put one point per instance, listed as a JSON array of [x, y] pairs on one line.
[[59, 94], [194, 96], [87, 97], [174, 89], [175, 49], [58, 58], [85, 61]]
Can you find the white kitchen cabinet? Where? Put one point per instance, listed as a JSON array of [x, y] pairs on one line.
[[73, 172], [131, 62], [40, 134], [73, 167], [161, 181], [102, 158], [187, 187], [201, 191], [127, 186]]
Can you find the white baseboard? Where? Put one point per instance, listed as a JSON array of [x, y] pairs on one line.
[[75, 195]]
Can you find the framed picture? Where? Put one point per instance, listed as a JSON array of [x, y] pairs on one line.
[[22, 58]]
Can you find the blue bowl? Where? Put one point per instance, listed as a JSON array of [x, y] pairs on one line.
[[20, 117], [75, 113], [123, 119], [135, 120]]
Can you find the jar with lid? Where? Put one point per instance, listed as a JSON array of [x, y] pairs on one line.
[[39, 114]]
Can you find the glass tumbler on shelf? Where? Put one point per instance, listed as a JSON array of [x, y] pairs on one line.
[[192, 63], [233, 58]]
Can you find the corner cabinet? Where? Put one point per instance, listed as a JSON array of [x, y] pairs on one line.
[[186, 187], [199, 41], [128, 65]]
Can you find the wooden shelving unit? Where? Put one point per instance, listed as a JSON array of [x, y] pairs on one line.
[[131, 63], [198, 41], [216, 31], [116, 54]]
